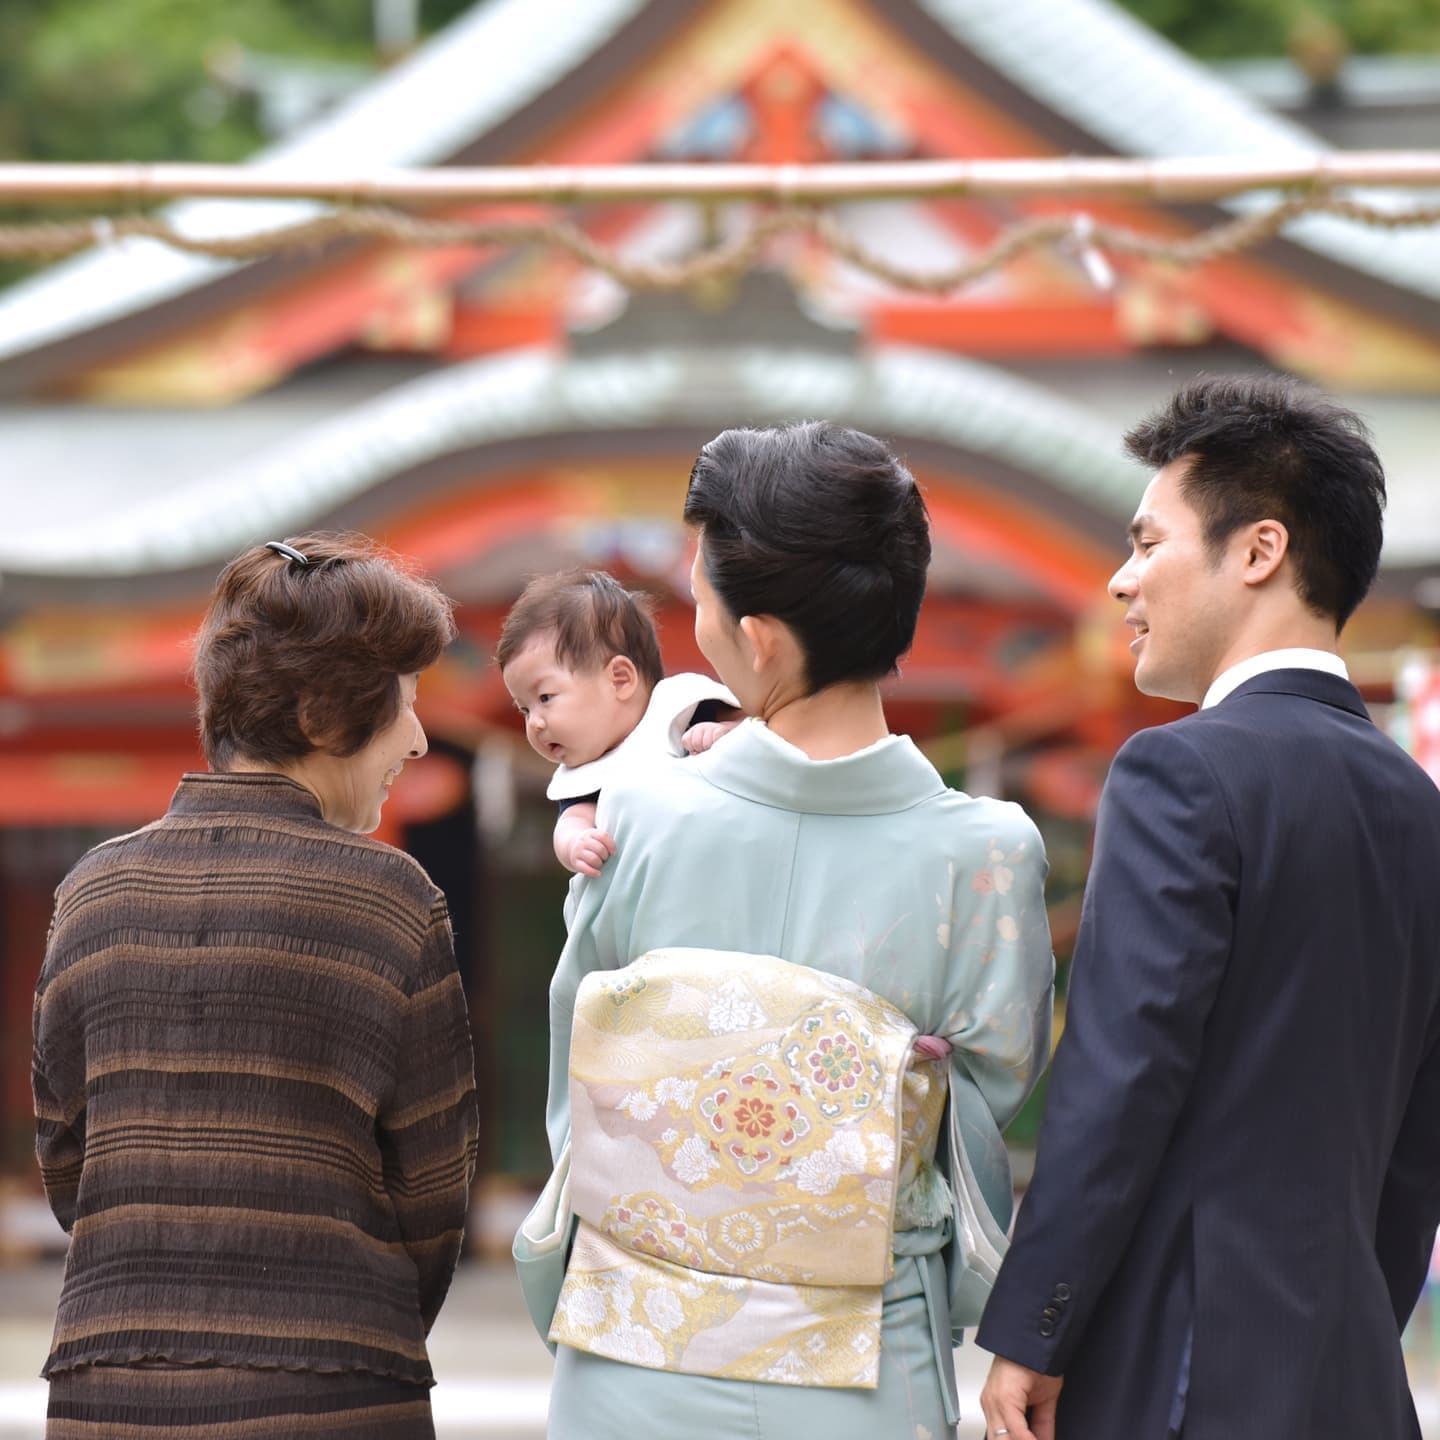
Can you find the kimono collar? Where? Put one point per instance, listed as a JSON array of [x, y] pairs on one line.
[[754, 763], [243, 792]]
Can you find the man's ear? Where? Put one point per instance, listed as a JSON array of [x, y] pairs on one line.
[[623, 676], [1266, 546]]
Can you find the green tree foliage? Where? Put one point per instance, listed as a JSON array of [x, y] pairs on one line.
[[108, 80], [1237, 29], [142, 79], [139, 79]]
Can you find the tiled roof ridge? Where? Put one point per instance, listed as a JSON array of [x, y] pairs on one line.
[[900, 391], [1114, 78]]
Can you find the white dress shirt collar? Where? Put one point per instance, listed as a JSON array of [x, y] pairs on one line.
[[1294, 659]]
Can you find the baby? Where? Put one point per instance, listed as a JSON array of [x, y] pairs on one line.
[[580, 658]]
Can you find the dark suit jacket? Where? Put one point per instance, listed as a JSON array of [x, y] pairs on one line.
[[1242, 1141]]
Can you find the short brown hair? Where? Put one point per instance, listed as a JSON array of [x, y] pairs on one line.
[[296, 657], [591, 617]]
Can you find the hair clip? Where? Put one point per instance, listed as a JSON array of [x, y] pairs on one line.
[[288, 551]]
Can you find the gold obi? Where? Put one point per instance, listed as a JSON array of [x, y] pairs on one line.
[[746, 1137]]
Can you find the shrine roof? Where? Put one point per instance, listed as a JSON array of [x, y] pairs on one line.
[[1087, 61], [1137, 94], [289, 468], [421, 112], [298, 454]]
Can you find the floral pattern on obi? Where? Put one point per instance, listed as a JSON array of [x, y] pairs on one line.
[[741, 1131], [754, 1115], [664, 1317], [834, 1048], [649, 1225], [835, 1063]]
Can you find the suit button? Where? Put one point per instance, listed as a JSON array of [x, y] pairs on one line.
[[1047, 1328], [1050, 1313], [1062, 1293]]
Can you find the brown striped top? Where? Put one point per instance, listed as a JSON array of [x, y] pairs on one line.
[[254, 1091]]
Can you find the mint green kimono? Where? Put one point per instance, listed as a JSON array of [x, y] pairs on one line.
[[870, 868]]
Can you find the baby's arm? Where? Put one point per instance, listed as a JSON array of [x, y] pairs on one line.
[[579, 846]]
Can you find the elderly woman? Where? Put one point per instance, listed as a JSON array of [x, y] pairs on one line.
[[837, 951], [254, 1084]]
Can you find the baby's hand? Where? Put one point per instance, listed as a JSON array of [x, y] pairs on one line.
[[588, 851], [699, 738]]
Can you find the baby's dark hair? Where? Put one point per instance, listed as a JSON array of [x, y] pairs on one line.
[[591, 618]]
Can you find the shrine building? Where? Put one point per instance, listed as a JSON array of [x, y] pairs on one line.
[[498, 413]]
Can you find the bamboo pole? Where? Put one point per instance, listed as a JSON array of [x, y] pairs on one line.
[[1198, 178]]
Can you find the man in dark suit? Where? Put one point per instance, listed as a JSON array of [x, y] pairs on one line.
[[1238, 1175]]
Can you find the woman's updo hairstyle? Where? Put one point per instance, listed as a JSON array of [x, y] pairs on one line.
[[823, 528]]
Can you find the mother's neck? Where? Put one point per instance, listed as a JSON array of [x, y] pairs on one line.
[[831, 723]]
